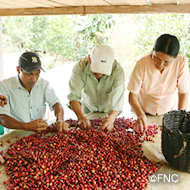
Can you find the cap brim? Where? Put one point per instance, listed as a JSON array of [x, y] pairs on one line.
[[30, 70], [100, 68]]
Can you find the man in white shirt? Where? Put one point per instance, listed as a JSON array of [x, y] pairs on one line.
[[27, 95]]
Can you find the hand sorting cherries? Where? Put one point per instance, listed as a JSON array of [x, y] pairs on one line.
[[81, 160]]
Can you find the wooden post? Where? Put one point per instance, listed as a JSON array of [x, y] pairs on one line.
[[1, 51]]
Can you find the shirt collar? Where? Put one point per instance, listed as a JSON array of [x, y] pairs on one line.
[[19, 85], [87, 69]]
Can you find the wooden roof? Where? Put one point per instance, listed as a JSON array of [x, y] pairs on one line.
[[83, 7]]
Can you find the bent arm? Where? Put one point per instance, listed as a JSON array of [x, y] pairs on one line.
[[183, 101], [108, 123], [142, 119], [58, 111], [11, 123], [113, 115], [134, 102], [59, 114], [83, 122], [76, 107]]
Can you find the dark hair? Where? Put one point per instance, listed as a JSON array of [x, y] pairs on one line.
[[167, 44]]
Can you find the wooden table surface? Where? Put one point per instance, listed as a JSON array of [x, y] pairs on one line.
[[152, 151]]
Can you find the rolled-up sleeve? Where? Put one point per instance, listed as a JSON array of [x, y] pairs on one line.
[[50, 96], [183, 77], [136, 79]]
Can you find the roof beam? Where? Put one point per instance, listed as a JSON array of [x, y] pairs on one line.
[[97, 10]]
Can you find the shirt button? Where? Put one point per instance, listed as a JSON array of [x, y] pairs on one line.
[[30, 107]]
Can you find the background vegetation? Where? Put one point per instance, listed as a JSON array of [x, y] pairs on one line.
[[68, 38]]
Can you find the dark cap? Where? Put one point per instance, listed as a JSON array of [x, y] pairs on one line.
[[30, 61]]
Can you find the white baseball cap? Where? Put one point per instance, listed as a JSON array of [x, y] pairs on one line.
[[102, 59]]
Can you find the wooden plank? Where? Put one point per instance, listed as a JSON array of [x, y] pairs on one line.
[[127, 2], [51, 3], [154, 2], [22, 4], [9, 4], [175, 2], [42, 11], [139, 9], [97, 10], [85, 2], [184, 2]]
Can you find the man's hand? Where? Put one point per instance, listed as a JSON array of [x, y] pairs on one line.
[[62, 125], [3, 100], [1, 160], [141, 124], [84, 123], [37, 125], [107, 125]]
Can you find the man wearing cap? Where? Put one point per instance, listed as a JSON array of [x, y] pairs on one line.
[[27, 95], [97, 86]]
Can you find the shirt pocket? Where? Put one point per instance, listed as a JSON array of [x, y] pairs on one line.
[[40, 112]]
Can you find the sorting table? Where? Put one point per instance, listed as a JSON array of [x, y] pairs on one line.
[[152, 150]]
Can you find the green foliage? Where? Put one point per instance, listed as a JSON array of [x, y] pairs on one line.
[[91, 30], [68, 37], [58, 36], [20, 32], [71, 37]]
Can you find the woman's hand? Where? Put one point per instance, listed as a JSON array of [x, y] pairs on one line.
[[141, 124]]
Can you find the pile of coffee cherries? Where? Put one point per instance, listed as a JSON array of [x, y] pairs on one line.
[[80, 159]]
